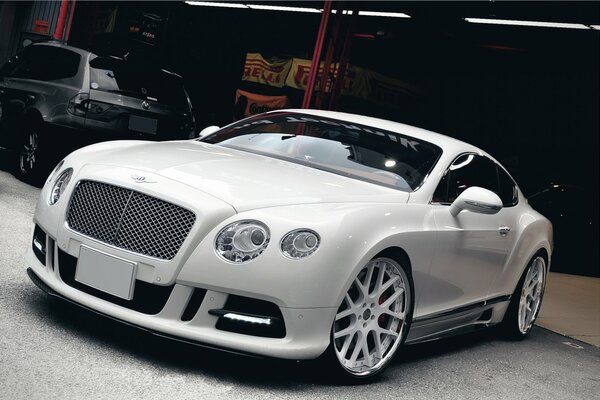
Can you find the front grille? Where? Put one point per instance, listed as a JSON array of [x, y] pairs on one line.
[[128, 219]]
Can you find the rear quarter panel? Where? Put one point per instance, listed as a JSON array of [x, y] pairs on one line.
[[534, 234]]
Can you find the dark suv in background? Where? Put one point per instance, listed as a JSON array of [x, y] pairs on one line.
[[55, 97]]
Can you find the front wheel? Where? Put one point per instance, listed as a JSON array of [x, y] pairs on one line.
[[526, 300], [373, 320]]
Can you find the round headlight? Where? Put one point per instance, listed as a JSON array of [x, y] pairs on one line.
[[54, 171], [242, 241], [59, 185], [300, 243]]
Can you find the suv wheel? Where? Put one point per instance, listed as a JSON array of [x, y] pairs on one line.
[[29, 158]]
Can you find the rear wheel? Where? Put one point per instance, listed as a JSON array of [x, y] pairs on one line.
[[373, 320], [28, 154], [526, 300], [30, 161]]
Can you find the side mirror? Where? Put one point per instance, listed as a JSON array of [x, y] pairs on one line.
[[477, 200], [208, 130]]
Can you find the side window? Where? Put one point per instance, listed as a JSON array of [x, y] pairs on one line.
[[507, 189], [466, 171], [46, 63]]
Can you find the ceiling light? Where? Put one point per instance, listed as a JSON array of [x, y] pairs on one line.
[[213, 4], [283, 8], [596, 27], [390, 163], [345, 12], [383, 14], [525, 23]]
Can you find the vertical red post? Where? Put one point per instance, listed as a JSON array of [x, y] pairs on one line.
[[343, 65], [326, 72], [316, 59], [62, 20], [71, 13]]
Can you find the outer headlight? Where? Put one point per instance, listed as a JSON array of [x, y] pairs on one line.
[[242, 241], [54, 171], [59, 185], [300, 243]]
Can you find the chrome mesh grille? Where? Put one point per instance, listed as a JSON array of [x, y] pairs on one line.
[[128, 219]]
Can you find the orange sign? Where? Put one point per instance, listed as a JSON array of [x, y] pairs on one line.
[[252, 103]]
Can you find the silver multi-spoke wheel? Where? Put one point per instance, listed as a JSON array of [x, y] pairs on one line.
[[27, 157], [531, 294], [371, 321]]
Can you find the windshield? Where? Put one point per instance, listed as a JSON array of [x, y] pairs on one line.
[[358, 151]]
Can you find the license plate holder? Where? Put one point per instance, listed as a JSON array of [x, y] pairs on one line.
[[106, 273], [143, 124]]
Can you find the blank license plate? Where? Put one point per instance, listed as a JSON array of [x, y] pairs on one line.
[[109, 274], [142, 124]]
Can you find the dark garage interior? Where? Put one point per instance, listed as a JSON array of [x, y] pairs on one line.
[[528, 95]]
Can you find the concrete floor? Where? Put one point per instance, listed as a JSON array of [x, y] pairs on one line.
[[571, 307], [53, 350]]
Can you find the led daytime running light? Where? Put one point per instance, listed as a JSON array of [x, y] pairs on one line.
[[247, 318]]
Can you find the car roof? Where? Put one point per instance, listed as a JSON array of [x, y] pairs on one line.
[[63, 46], [447, 143]]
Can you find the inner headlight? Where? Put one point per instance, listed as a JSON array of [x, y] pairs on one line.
[[300, 243], [59, 185], [242, 241]]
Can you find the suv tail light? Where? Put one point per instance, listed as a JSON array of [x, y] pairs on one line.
[[78, 104]]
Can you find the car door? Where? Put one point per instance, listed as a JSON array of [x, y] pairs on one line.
[[471, 247]]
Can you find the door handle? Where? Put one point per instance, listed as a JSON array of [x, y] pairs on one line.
[[504, 230]]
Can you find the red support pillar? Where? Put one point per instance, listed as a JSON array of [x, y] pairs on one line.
[[71, 13], [62, 20], [326, 73], [338, 84], [316, 59]]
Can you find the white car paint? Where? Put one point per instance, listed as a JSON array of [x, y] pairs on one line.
[[456, 261]]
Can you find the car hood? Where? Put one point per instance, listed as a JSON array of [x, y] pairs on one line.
[[244, 180]]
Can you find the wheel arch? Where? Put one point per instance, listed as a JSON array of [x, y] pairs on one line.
[[394, 252], [397, 254], [32, 115]]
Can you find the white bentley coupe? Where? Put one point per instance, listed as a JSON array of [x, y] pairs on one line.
[[295, 234]]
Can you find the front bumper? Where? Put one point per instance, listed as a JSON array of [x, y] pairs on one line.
[[307, 329]]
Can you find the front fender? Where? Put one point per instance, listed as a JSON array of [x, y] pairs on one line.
[[351, 234]]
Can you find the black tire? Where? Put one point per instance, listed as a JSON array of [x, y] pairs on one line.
[[330, 361], [511, 328]]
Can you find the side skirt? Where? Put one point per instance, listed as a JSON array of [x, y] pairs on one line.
[[455, 321]]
